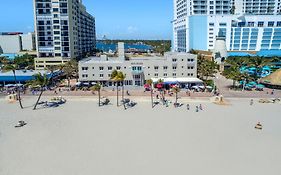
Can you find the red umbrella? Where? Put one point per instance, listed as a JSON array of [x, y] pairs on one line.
[[146, 86], [159, 86]]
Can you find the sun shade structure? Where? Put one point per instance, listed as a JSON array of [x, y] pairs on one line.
[[273, 80], [178, 80]]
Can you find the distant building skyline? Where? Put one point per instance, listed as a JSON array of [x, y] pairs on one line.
[[122, 19]]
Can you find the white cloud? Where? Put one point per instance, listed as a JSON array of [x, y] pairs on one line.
[[132, 29]]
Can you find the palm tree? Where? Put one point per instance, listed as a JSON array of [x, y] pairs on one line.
[[150, 83], [41, 81], [13, 68], [114, 78], [161, 81], [52, 69], [97, 87], [176, 90], [206, 68], [70, 69], [121, 77]]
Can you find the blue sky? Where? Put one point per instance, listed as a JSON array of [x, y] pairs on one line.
[[117, 19]]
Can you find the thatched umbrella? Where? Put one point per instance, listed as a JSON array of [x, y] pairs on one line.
[[273, 79]]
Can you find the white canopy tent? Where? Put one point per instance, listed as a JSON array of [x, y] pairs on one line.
[[179, 80]]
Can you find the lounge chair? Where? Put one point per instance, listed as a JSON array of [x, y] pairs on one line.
[[126, 100], [20, 124], [258, 126], [51, 104], [178, 104], [131, 104], [105, 102]]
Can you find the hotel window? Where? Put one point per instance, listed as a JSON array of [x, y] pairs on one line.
[[109, 68], [165, 74], [165, 67], [211, 24], [109, 75], [101, 75], [174, 74], [101, 68], [156, 75], [118, 67], [93, 75], [84, 68], [93, 67], [270, 23], [156, 67], [174, 60], [84, 75], [222, 24], [174, 67], [260, 24], [278, 24]]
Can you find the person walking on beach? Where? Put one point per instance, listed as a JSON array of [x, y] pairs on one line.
[[197, 109], [187, 107], [251, 102], [200, 107]]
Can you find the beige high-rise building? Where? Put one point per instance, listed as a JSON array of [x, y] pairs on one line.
[[64, 30]]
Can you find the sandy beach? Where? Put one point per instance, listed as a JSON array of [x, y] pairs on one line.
[[80, 138]]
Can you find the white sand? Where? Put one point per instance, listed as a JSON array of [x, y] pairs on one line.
[[80, 138]]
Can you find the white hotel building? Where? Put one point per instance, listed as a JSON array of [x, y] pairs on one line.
[[172, 67], [247, 25], [64, 30]]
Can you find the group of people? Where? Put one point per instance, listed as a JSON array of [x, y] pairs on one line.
[[197, 108]]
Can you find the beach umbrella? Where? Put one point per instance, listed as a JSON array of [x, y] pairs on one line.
[[146, 86], [159, 85], [273, 79]]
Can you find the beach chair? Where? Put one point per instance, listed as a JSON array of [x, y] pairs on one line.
[[20, 124], [105, 102], [131, 104], [126, 100]]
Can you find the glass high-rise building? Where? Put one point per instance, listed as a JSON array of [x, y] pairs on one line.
[[64, 30], [247, 25]]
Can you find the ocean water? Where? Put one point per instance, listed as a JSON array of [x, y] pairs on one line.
[[113, 47]]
